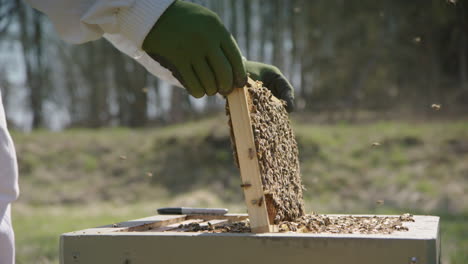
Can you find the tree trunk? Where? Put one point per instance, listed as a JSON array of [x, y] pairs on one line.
[[463, 50], [234, 18], [176, 113], [31, 42], [278, 37], [247, 26], [139, 104], [264, 11]]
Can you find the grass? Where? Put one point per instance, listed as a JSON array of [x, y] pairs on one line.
[[454, 238], [38, 228], [82, 178]]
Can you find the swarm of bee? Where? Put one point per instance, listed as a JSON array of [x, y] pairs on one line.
[[346, 224], [277, 153], [234, 227], [315, 223]]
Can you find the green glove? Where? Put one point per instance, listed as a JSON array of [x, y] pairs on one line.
[[192, 42], [274, 80]]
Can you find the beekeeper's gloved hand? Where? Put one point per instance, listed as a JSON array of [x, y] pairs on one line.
[[192, 42], [274, 80]]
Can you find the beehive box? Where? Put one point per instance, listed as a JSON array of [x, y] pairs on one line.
[[161, 239]]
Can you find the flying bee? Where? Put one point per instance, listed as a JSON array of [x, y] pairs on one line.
[[436, 107]]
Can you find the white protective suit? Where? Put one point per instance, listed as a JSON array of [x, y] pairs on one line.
[[8, 190], [125, 23]]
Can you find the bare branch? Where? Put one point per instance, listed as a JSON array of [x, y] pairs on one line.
[[9, 12]]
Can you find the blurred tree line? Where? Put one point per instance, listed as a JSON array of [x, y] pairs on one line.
[[340, 56]]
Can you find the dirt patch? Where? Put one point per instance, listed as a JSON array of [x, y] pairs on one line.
[[406, 141], [317, 224], [457, 146], [277, 153]]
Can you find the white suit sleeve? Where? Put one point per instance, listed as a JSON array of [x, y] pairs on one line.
[[9, 189], [125, 23]]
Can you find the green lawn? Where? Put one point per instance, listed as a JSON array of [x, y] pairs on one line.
[[82, 178], [38, 228]]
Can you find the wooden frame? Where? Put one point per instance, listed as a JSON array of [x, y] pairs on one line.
[[248, 161]]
